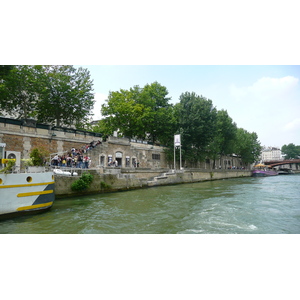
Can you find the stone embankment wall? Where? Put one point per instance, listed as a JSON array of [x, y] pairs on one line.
[[114, 180], [24, 137]]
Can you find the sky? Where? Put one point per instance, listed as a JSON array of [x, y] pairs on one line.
[[259, 98], [244, 56]]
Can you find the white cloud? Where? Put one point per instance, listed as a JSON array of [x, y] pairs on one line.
[[268, 107], [293, 125], [265, 89], [99, 100]]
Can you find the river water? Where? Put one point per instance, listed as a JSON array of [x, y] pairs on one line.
[[233, 206]]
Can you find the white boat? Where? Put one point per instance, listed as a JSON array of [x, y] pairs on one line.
[[64, 173], [22, 193], [285, 171]]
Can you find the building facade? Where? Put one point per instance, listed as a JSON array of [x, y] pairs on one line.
[[271, 153], [19, 139]]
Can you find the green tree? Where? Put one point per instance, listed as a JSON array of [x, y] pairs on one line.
[[50, 94], [197, 125], [247, 146], [225, 136], [142, 113], [291, 151], [65, 95], [5, 70], [18, 89], [159, 123], [123, 113]]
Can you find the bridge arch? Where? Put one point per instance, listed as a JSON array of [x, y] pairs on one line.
[[273, 163]]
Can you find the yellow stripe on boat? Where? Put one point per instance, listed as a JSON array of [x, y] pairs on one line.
[[34, 206], [24, 185], [35, 193]]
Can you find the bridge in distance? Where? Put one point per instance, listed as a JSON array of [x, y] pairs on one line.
[[274, 163]]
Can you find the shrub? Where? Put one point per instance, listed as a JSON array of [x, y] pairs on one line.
[[87, 177], [83, 182], [9, 166], [38, 156]]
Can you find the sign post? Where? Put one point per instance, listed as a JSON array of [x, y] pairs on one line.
[[177, 144]]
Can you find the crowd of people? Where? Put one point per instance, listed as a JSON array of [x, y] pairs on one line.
[[76, 158]]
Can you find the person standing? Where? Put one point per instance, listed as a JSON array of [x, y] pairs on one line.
[[79, 160], [86, 162]]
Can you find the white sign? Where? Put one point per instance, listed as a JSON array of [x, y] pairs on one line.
[[177, 140], [118, 154]]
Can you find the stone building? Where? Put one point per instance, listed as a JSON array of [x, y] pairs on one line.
[[127, 153], [271, 153], [19, 138]]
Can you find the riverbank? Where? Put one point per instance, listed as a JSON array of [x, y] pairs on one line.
[[122, 179]]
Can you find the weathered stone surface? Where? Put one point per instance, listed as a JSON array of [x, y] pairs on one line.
[[112, 182]]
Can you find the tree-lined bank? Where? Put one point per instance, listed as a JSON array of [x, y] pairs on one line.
[[147, 114], [62, 96]]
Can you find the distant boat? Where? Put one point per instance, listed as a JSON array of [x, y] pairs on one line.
[[285, 171], [263, 171]]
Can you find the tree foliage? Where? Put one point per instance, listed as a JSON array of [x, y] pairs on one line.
[[51, 94], [142, 113], [247, 146], [66, 95], [196, 123], [145, 113], [62, 95], [224, 139], [19, 92], [291, 151], [5, 70]]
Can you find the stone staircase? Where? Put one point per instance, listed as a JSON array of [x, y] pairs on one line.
[[164, 178]]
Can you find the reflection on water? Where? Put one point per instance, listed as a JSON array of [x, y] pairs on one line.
[[245, 205]]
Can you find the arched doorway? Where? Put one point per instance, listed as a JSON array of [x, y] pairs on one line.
[[119, 156]]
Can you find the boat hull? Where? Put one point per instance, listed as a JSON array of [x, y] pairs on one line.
[[25, 193], [263, 173]]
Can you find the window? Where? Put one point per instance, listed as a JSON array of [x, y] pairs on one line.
[[127, 162], [102, 160], [156, 156]]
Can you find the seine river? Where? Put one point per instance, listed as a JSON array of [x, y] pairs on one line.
[[233, 206]]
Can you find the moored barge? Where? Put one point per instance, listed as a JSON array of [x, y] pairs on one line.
[[25, 193]]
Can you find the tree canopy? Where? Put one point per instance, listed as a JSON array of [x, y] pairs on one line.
[[143, 113], [247, 146], [196, 123], [60, 95], [224, 140], [291, 151], [19, 92]]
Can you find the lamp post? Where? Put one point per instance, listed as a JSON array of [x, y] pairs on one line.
[[177, 144]]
